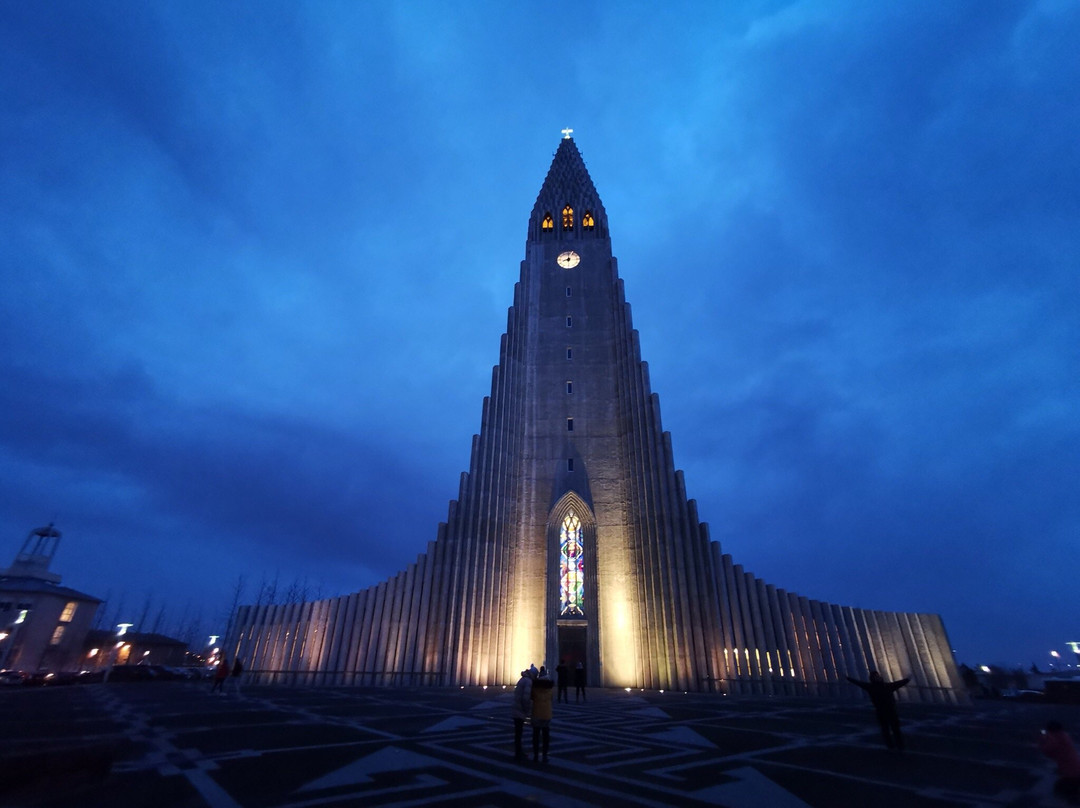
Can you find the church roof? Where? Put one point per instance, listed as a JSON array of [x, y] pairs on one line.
[[568, 183]]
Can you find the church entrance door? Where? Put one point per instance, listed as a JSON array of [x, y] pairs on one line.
[[572, 645]]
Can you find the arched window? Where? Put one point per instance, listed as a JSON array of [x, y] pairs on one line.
[[548, 223], [571, 568], [587, 221], [568, 218]]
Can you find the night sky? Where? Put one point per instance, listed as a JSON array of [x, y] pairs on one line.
[[256, 260]]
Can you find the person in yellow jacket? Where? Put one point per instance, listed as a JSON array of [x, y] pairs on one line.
[[542, 691]]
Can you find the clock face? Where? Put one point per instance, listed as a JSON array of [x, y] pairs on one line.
[[569, 259]]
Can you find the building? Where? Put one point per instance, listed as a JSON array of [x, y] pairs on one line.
[[42, 624], [572, 536], [102, 649]]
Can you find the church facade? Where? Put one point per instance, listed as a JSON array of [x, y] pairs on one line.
[[572, 536]]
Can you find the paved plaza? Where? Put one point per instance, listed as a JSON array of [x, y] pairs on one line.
[[175, 744]]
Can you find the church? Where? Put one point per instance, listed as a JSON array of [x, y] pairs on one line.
[[572, 537]]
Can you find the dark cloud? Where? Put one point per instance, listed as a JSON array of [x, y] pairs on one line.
[[257, 263]]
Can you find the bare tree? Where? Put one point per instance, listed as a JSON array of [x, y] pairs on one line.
[[238, 594], [297, 592], [144, 618], [268, 591], [159, 621], [99, 615]]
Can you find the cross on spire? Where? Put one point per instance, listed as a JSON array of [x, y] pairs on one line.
[[566, 133]]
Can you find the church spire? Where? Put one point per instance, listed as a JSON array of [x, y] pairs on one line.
[[568, 205]]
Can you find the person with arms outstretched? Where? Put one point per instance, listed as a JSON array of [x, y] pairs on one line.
[[881, 696]]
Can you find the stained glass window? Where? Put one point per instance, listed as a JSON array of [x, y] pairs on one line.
[[571, 568], [567, 218]]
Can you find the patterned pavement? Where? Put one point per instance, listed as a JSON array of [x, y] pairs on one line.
[[175, 744]]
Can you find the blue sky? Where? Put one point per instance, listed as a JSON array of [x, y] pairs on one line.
[[257, 259]]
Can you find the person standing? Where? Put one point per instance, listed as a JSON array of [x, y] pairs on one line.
[[220, 675], [522, 710], [1056, 744], [237, 675], [562, 681], [541, 713], [881, 696], [579, 682]]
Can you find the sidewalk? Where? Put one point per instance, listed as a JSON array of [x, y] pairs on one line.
[[175, 744]]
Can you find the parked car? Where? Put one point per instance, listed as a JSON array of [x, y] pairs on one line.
[[132, 673]]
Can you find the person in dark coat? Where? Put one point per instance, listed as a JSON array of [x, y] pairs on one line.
[[1056, 744], [579, 683], [522, 710], [881, 696], [220, 675], [562, 680], [237, 675]]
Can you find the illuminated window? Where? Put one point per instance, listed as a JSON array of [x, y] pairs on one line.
[[548, 223], [69, 612], [572, 568], [587, 221], [567, 218], [569, 424], [56, 635]]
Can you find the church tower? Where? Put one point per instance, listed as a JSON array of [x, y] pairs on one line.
[[572, 536], [606, 544]]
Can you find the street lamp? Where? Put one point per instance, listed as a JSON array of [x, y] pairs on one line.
[[121, 630]]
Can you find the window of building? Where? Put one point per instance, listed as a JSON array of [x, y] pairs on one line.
[[568, 291], [56, 635], [569, 387], [569, 321], [548, 223], [568, 218], [69, 612], [571, 568], [569, 353], [569, 464], [569, 424], [587, 221]]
